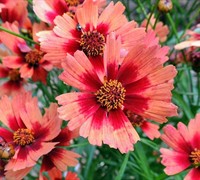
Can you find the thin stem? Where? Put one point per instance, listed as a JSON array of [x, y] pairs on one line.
[[184, 57], [18, 35], [142, 8], [198, 88], [173, 26], [30, 1], [157, 18], [154, 7]]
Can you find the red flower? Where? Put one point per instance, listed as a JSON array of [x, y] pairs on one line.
[[47, 10], [27, 130], [150, 129], [13, 84], [185, 152], [29, 61], [59, 157], [87, 32], [16, 10], [140, 84], [160, 29]]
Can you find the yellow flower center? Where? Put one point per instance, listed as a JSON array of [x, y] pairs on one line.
[[72, 2], [111, 95], [92, 43], [195, 157], [14, 75], [33, 57], [23, 137], [136, 120]]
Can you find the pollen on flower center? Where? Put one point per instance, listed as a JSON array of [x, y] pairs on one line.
[[135, 119], [111, 95], [195, 157], [14, 75], [72, 2], [33, 57], [92, 43], [23, 137]]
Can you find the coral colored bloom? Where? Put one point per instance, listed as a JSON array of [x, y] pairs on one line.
[[47, 10], [140, 84], [185, 151], [59, 157], [27, 130], [30, 62], [13, 83], [87, 32], [71, 176], [17, 175], [192, 41], [150, 129], [161, 30], [16, 10]]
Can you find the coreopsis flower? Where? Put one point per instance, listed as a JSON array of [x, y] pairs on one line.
[[150, 129], [140, 84], [17, 175], [71, 176], [87, 32], [13, 83], [184, 149], [191, 48], [30, 62], [59, 157], [192, 39], [48, 10], [160, 29], [27, 130], [11, 11], [54, 173]]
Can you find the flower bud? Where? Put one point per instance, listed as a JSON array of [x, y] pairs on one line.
[[165, 5]]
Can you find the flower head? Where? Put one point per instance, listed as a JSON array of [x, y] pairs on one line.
[[30, 62], [185, 152], [87, 32], [27, 130], [192, 39], [160, 29], [12, 11], [150, 129], [140, 84], [47, 10], [59, 157], [13, 83]]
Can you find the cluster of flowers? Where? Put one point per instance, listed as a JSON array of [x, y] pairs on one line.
[[116, 66]]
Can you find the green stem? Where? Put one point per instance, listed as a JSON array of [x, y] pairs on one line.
[[78, 145], [198, 88], [18, 35], [30, 1], [123, 167], [148, 21], [157, 18], [173, 26], [89, 161], [142, 8], [178, 40]]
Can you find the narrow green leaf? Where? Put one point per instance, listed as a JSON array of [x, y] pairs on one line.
[[183, 105], [123, 167]]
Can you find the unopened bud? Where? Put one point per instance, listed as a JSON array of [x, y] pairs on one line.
[[165, 5]]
